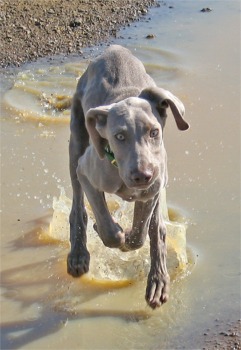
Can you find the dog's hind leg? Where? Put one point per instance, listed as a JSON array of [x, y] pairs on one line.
[[78, 258]]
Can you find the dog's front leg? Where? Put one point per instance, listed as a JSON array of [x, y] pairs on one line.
[[158, 283], [108, 230], [135, 238], [78, 258]]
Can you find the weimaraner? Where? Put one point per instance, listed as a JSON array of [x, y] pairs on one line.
[[116, 146]]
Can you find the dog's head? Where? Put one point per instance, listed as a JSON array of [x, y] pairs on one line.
[[133, 128]]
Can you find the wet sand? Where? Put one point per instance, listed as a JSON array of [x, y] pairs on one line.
[[223, 336], [31, 29]]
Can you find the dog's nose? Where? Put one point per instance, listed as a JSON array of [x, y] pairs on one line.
[[141, 177]]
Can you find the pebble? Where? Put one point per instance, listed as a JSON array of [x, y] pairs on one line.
[[206, 9], [150, 36]]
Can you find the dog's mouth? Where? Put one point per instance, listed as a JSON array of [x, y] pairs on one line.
[[140, 186]]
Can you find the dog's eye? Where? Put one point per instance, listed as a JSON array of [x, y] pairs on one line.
[[120, 137], [154, 133]]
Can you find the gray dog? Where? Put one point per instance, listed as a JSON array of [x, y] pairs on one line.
[[116, 146]]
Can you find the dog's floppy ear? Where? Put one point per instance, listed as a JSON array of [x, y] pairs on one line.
[[96, 120], [164, 99]]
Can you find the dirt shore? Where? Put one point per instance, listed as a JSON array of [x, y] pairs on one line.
[[222, 336], [30, 29]]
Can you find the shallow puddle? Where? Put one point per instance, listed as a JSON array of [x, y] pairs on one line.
[[196, 56]]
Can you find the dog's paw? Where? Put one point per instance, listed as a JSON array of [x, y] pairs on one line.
[[157, 290], [132, 241], [112, 237], [78, 264]]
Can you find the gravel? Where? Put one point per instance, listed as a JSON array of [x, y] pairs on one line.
[[30, 29]]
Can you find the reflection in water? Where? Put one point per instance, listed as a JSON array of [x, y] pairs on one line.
[[18, 334], [56, 296]]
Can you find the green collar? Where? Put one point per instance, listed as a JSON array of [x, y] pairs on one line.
[[110, 155]]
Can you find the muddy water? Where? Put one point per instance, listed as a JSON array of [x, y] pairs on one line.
[[197, 56]]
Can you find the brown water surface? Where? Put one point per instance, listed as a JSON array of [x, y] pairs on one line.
[[196, 56]]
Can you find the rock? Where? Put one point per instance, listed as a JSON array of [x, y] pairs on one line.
[[150, 36], [206, 9], [144, 11], [76, 22], [51, 11]]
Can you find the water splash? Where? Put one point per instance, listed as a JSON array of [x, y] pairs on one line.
[[112, 264], [43, 94], [59, 225]]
